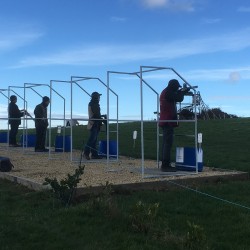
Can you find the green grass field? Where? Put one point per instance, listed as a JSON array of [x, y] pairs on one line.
[[35, 220]]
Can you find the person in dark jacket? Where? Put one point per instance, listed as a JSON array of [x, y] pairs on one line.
[[168, 111], [41, 124], [94, 125], [14, 120]]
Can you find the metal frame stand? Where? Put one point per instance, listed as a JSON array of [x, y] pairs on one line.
[[78, 79], [142, 81], [75, 80], [64, 112], [146, 69], [25, 104], [31, 86], [2, 118], [140, 75]]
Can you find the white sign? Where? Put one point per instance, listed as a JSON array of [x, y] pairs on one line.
[[200, 138], [135, 135], [200, 155], [180, 154]]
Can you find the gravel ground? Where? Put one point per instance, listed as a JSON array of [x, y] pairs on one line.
[[38, 166]]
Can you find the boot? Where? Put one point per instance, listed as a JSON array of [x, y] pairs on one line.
[[166, 167]]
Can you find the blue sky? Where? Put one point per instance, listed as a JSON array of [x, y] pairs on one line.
[[206, 41]]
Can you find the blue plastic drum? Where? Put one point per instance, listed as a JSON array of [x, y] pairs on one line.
[[112, 148], [59, 143]]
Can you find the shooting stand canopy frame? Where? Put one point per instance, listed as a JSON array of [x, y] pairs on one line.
[[140, 75], [77, 80]]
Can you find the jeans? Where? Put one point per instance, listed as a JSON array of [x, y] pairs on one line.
[[168, 137], [40, 136], [13, 133], [91, 143]]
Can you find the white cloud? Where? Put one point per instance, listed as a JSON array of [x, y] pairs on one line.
[[155, 3], [17, 40], [230, 75], [13, 36], [230, 98], [113, 54], [118, 19], [244, 9], [211, 20], [4, 111], [234, 76], [174, 5], [226, 75]]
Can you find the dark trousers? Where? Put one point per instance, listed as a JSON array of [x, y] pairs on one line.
[[91, 143], [40, 137], [13, 133], [167, 142]]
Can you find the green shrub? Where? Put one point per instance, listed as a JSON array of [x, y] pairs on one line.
[[143, 216], [195, 238], [64, 189]]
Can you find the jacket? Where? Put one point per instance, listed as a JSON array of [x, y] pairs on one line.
[[40, 112], [94, 112], [168, 110], [14, 114]]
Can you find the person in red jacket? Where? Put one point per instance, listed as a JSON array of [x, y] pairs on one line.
[[168, 111]]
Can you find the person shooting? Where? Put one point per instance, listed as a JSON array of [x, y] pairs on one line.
[[94, 124], [41, 124], [14, 120], [168, 118]]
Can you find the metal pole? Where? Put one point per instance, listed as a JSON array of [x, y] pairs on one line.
[[142, 129], [71, 116], [50, 113], [196, 134], [117, 127], [108, 119], [157, 105], [158, 131], [25, 130]]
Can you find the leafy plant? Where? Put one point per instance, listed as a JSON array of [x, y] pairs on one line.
[[195, 238], [143, 216], [65, 189], [103, 201]]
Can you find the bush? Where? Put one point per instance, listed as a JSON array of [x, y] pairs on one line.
[[143, 216], [64, 189], [195, 238]]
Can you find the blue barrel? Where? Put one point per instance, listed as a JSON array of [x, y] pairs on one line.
[[3, 137], [186, 159], [112, 148], [59, 143], [29, 140]]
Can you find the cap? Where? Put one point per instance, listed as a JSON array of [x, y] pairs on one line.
[[95, 94], [174, 84]]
